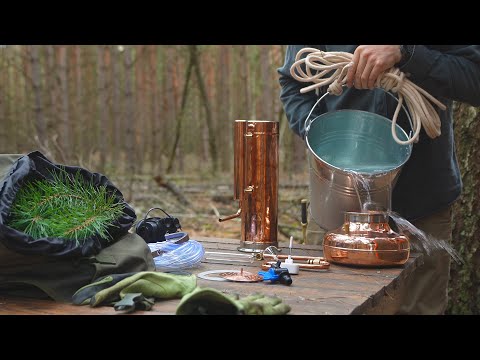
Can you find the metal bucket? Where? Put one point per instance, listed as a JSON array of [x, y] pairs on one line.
[[343, 144]]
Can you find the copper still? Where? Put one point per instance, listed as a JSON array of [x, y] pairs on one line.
[[366, 239], [256, 182]]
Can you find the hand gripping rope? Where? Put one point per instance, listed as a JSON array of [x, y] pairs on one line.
[[319, 63]]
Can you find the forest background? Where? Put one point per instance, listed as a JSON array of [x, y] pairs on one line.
[[157, 120]]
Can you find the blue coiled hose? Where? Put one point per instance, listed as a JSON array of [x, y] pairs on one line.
[[177, 256]]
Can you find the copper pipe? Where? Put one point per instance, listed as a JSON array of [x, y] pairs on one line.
[[229, 217], [294, 257], [322, 266]]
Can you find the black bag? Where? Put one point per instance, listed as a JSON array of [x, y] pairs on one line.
[[53, 267], [35, 166]]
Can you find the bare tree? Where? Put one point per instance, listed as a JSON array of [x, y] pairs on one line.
[[156, 120], [129, 120], [178, 128], [139, 127], [266, 95], [224, 123], [40, 124], [79, 125], [3, 119], [117, 113], [243, 60], [464, 278], [102, 106], [206, 104], [65, 138], [169, 104]]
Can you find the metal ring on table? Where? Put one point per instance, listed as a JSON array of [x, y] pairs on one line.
[[205, 275]]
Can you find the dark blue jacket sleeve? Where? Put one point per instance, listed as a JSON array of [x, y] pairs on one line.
[[448, 71], [296, 105]]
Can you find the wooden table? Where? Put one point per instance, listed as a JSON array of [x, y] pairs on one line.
[[339, 290]]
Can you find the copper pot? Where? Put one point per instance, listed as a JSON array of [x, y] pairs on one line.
[[366, 239]]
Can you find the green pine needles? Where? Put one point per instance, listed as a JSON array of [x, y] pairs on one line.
[[66, 206]]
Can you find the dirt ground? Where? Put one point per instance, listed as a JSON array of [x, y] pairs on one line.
[[213, 198]]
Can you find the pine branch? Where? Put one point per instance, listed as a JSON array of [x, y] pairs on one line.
[[65, 206]]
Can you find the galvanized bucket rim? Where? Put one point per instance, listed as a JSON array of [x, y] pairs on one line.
[[381, 117]]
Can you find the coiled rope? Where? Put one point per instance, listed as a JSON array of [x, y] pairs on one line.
[[319, 63]]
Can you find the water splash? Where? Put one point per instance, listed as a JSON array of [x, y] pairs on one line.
[[330, 186], [361, 182], [426, 242]]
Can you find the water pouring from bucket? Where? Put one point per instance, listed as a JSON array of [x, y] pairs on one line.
[[355, 157], [354, 164]]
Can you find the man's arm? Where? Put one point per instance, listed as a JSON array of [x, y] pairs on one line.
[[296, 105], [453, 73], [449, 71]]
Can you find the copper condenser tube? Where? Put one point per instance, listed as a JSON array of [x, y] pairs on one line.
[[256, 182]]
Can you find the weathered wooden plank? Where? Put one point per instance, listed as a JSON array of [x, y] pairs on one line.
[[339, 290]]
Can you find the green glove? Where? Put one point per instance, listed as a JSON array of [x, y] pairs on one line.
[[259, 304], [150, 284], [207, 301], [84, 295], [134, 301]]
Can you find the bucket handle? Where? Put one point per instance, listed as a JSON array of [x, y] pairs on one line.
[[309, 123]]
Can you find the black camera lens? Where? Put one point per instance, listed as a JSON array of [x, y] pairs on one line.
[[176, 222], [147, 231], [168, 223]]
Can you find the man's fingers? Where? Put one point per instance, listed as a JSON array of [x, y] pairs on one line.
[[353, 69], [376, 71], [358, 73], [365, 77]]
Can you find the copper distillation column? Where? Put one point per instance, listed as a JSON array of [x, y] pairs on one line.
[[256, 182]]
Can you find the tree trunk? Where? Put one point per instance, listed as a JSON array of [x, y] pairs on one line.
[[244, 65], [129, 121], [156, 120], [465, 279], [169, 106], [102, 137], [14, 114], [79, 125], [224, 122], [65, 138], [117, 112], [3, 98], [25, 124], [37, 91], [266, 98], [181, 114], [206, 104], [139, 109]]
